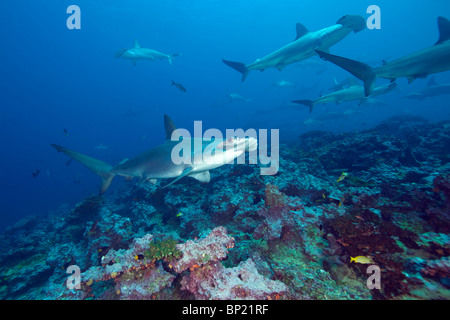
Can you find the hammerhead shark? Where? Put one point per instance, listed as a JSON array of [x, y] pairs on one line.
[[355, 92], [431, 90], [157, 163], [139, 53], [303, 46], [419, 64]]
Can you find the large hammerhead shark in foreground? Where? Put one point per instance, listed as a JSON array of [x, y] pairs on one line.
[[157, 163], [415, 65]]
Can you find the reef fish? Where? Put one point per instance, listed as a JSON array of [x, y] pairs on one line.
[[361, 259], [179, 86]]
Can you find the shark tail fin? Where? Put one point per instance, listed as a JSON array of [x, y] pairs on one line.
[[99, 167], [360, 70], [173, 55], [308, 103], [238, 66]]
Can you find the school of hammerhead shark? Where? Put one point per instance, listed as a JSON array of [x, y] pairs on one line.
[[156, 163]]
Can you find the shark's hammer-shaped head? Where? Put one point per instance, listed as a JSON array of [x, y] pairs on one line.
[[354, 22]]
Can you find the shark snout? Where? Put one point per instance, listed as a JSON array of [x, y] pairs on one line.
[[247, 144], [251, 144]]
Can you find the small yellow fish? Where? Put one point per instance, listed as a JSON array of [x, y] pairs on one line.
[[342, 177], [179, 214], [361, 259]]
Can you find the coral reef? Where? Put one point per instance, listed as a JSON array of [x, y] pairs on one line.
[[247, 236]]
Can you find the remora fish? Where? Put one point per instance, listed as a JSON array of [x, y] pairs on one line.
[[157, 163], [139, 53], [419, 64], [431, 90], [303, 46], [352, 93]]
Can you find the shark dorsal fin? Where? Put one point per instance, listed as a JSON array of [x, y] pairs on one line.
[[169, 126], [444, 30], [137, 45], [301, 30]]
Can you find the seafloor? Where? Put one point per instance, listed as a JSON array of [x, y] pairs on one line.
[[247, 236]]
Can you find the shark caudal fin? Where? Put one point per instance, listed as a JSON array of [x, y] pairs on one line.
[[99, 167], [360, 70], [173, 55], [238, 66], [308, 103]]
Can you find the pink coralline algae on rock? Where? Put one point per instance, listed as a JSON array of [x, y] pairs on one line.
[[116, 262], [198, 252], [143, 284], [214, 281]]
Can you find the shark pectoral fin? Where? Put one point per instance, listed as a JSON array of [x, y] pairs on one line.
[[106, 182], [184, 173], [133, 62], [320, 48], [204, 176], [151, 180]]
